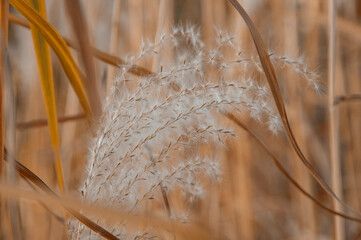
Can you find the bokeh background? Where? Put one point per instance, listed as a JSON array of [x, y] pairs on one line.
[[253, 200]]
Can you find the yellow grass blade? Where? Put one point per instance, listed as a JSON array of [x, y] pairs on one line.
[[47, 83], [103, 56], [59, 47]]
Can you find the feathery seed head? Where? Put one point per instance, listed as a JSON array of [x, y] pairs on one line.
[[150, 134]]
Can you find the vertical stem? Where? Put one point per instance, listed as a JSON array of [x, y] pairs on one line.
[[80, 29], [12, 206], [136, 26], [4, 12], [303, 209], [333, 125], [241, 189], [353, 115], [164, 24], [114, 40], [207, 21]]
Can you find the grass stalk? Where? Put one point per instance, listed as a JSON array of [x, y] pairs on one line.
[[164, 23], [4, 12], [44, 122], [7, 128], [114, 39], [81, 32], [242, 192], [13, 207], [302, 207], [135, 19], [333, 120], [352, 85], [207, 21], [347, 98]]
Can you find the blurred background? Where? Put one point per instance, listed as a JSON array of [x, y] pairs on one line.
[[253, 200]]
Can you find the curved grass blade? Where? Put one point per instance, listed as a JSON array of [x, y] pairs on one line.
[[189, 232], [277, 96], [103, 56], [59, 47], [284, 171], [32, 177], [47, 83]]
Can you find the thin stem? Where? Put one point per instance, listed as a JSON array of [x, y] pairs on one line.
[[276, 93], [32, 177], [81, 32], [162, 188], [347, 98], [278, 164], [44, 122], [334, 121], [4, 12], [103, 56], [114, 40]]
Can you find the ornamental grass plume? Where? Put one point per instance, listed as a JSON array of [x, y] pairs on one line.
[[149, 136]]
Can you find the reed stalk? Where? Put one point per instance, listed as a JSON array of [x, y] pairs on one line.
[[333, 120]]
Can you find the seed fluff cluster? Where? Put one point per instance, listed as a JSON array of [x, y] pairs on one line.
[[150, 135]]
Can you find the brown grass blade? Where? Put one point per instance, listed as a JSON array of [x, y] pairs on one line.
[[276, 93], [189, 232], [347, 98], [44, 122], [57, 217], [118, 62], [186, 232], [81, 33], [103, 56], [279, 165], [32, 177]]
